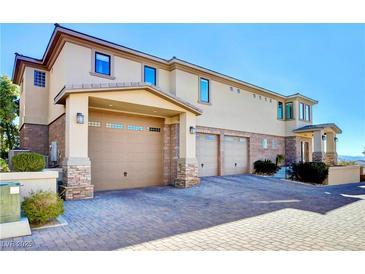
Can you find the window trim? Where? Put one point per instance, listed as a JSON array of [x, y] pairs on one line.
[[293, 111], [111, 64], [143, 74], [209, 93]]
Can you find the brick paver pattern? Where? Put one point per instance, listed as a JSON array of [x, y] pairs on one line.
[[243, 212]]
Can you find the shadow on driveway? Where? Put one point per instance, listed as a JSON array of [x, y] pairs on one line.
[[116, 219]]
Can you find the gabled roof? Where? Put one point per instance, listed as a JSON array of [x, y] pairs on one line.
[[89, 88], [59, 31], [308, 128]]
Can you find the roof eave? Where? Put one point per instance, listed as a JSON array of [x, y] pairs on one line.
[[60, 98]]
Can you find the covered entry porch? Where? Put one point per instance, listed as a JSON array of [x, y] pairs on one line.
[[115, 124], [323, 139]]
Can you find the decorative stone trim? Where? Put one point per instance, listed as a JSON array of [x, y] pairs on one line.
[[331, 158], [77, 179], [170, 153], [187, 173], [318, 156], [77, 192]]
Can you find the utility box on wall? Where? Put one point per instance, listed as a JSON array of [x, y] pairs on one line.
[[9, 202]]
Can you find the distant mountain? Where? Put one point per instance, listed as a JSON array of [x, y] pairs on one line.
[[350, 158]]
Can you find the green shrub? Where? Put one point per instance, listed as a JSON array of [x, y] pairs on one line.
[[265, 167], [28, 161], [3, 166], [42, 206], [279, 159], [310, 172]]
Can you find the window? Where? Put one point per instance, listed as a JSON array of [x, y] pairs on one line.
[[135, 128], [274, 144], [94, 124], [264, 143], [280, 111], [307, 113], [102, 63], [301, 111], [289, 111], [149, 75], [39, 78], [204, 91], [114, 125], [154, 129]]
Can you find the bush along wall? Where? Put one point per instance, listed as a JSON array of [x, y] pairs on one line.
[[28, 161], [265, 167], [41, 207], [309, 172]]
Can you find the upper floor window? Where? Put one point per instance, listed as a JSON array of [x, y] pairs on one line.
[[301, 111], [102, 63], [289, 111], [39, 78], [280, 111], [204, 91], [307, 112], [150, 75]]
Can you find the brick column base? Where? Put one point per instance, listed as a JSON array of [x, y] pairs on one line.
[[331, 158], [187, 173], [318, 156], [77, 180]]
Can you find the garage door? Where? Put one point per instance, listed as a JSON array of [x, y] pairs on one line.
[[207, 154], [235, 155], [125, 150]]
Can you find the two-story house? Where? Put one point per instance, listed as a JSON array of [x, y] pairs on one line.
[[121, 118]]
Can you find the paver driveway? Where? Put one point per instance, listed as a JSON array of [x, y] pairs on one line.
[[242, 212]]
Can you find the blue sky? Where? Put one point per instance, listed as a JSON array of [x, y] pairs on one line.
[[323, 61]]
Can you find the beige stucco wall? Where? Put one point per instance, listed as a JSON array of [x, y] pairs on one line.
[[343, 175], [33, 99], [228, 109], [32, 181]]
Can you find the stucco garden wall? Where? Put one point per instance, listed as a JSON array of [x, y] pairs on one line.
[[343, 175], [32, 181]]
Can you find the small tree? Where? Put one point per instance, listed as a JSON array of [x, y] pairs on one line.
[[9, 111]]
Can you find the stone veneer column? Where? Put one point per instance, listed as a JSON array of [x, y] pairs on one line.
[[187, 164], [318, 151], [331, 154], [77, 179], [76, 166]]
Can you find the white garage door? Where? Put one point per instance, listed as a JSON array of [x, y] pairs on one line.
[[235, 155], [207, 154]]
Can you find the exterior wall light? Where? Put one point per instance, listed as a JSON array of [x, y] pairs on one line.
[[79, 118], [335, 139], [192, 130], [323, 137]]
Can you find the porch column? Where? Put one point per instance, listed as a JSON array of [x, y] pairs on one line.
[[187, 166], [331, 154], [318, 148], [76, 166]]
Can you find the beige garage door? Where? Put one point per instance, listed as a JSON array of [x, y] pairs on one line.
[[235, 155], [207, 154], [125, 150]]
